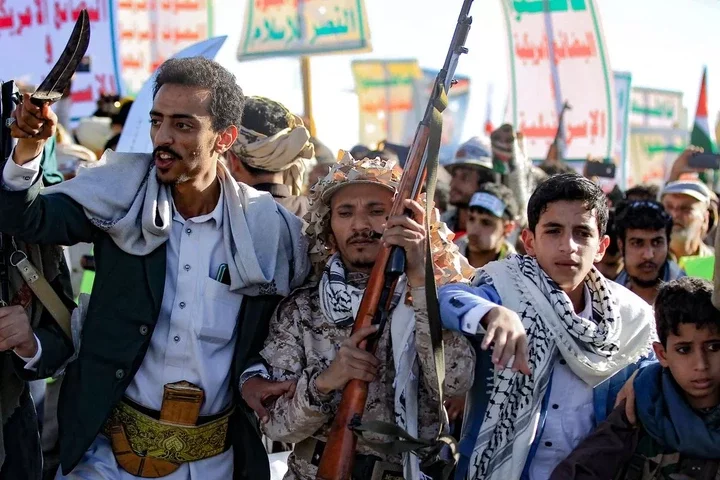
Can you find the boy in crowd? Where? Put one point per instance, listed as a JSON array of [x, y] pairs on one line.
[[492, 219], [568, 328], [678, 411]]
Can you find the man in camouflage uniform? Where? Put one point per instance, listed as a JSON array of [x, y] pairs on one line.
[[310, 334]]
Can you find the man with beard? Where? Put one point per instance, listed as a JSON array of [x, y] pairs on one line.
[[471, 167], [492, 218], [643, 230], [310, 334], [188, 262], [688, 203], [271, 153], [564, 339]]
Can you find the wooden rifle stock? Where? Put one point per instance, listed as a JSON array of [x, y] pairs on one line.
[[337, 459], [339, 453]]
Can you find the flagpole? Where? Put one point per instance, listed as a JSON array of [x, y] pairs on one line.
[[307, 93], [550, 35]]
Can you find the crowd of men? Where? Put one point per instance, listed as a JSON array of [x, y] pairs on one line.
[[231, 263]]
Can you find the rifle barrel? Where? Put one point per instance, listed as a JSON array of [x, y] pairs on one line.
[[339, 454]]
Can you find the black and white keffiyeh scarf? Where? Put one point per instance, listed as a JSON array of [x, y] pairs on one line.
[[339, 302], [594, 349]]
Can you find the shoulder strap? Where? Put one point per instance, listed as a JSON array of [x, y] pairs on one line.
[[42, 290], [406, 442], [4, 273]]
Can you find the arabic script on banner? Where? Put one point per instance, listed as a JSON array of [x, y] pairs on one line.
[[652, 153], [303, 27], [656, 108], [453, 116], [151, 31], [33, 34], [623, 81], [385, 91], [578, 54]]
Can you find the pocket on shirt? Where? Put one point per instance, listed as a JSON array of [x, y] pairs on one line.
[[578, 423], [219, 312]]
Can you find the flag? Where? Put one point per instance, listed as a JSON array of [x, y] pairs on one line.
[[488, 127], [700, 136]]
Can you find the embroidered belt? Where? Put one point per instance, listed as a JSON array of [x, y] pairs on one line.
[[152, 444]]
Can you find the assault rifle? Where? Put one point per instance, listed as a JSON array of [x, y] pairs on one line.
[[339, 453]]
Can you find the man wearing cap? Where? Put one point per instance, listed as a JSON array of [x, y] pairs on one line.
[[471, 167], [643, 235], [271, 153], [310, 333], [491, 220], [687, 202]]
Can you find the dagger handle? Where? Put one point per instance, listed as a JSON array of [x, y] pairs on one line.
[[40, 98]]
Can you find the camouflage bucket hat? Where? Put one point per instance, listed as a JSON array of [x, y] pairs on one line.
[[449, 265], [347, 171]]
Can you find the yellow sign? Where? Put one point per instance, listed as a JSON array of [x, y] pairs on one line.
[[303, 27], [385, 91]]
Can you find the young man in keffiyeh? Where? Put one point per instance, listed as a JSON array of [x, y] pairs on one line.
[[565, 339], [310, 334]]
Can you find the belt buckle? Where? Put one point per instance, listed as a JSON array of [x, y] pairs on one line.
[[386, 471]]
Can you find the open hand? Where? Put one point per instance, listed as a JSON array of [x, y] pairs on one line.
[[506, 333], [627, 393]]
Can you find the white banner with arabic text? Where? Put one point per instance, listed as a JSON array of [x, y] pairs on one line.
[[578, 56], [33, 34]]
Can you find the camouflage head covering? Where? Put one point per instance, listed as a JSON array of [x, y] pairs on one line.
[[450, 266], [347, 170]]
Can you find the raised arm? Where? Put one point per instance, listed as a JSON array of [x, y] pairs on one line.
[[476, 310], [35, 218]]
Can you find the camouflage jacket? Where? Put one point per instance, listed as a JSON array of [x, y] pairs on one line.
[[302, 344], [620, 451]]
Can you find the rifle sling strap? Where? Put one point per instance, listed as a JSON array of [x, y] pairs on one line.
[[4, 273], [406, 442], [43, 291]]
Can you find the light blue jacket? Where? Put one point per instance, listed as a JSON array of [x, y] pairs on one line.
[[458, 299]]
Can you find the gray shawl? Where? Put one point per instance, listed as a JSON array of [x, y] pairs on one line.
[[122, 197]]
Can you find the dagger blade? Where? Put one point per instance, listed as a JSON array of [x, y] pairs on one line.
[[52, 88]]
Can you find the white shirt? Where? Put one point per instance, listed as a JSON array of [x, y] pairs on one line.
[[194, 338], [570, 415]]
